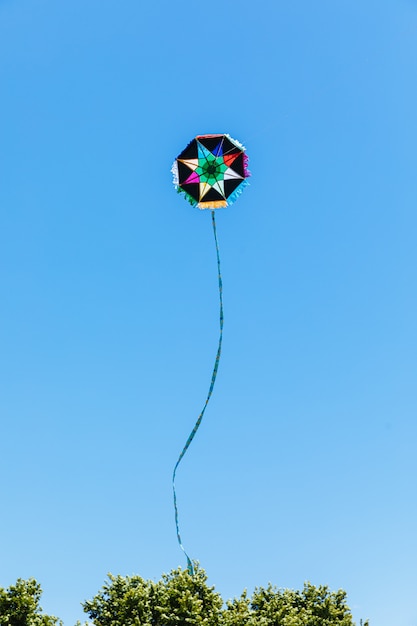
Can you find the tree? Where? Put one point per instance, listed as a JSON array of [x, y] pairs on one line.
[[182, 599], [130, 601], [313, 606], [187, 599], [178, 598], [19, 605]]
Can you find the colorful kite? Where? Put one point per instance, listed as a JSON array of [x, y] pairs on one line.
[[211, 172]]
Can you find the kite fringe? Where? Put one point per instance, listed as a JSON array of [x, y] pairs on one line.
[[215, 204], [246, 165], [175, 175], [234, 196], [235, 141], [187, 196]]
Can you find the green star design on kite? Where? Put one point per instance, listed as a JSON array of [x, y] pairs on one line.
[[210, 170]]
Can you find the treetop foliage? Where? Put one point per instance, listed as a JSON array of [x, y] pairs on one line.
[[182, 599], [19, 605]]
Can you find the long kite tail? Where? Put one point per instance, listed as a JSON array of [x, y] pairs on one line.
[[200, 417]]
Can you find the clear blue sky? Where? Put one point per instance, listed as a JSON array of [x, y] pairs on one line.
[[305, 466]]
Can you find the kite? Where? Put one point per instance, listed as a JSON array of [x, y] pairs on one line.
[[211, 172]]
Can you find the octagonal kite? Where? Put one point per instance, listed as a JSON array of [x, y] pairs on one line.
[[211, 172]]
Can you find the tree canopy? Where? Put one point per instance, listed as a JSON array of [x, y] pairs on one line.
[[19, 605], [183, 599]]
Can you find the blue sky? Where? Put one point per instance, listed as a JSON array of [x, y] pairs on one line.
[[305, 465]]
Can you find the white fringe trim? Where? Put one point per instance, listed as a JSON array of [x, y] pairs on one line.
[[175, 176]]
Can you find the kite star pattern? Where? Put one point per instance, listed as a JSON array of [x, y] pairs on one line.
[[211, 171]]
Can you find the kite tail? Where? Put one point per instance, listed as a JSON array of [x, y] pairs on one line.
[[200, 417]]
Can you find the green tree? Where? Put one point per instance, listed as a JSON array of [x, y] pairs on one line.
[[131, 601], [182, 599], [178, 598], [313, 606], [187, 599], [19, 605]]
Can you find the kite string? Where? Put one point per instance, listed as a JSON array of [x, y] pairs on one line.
[[200, 417]]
